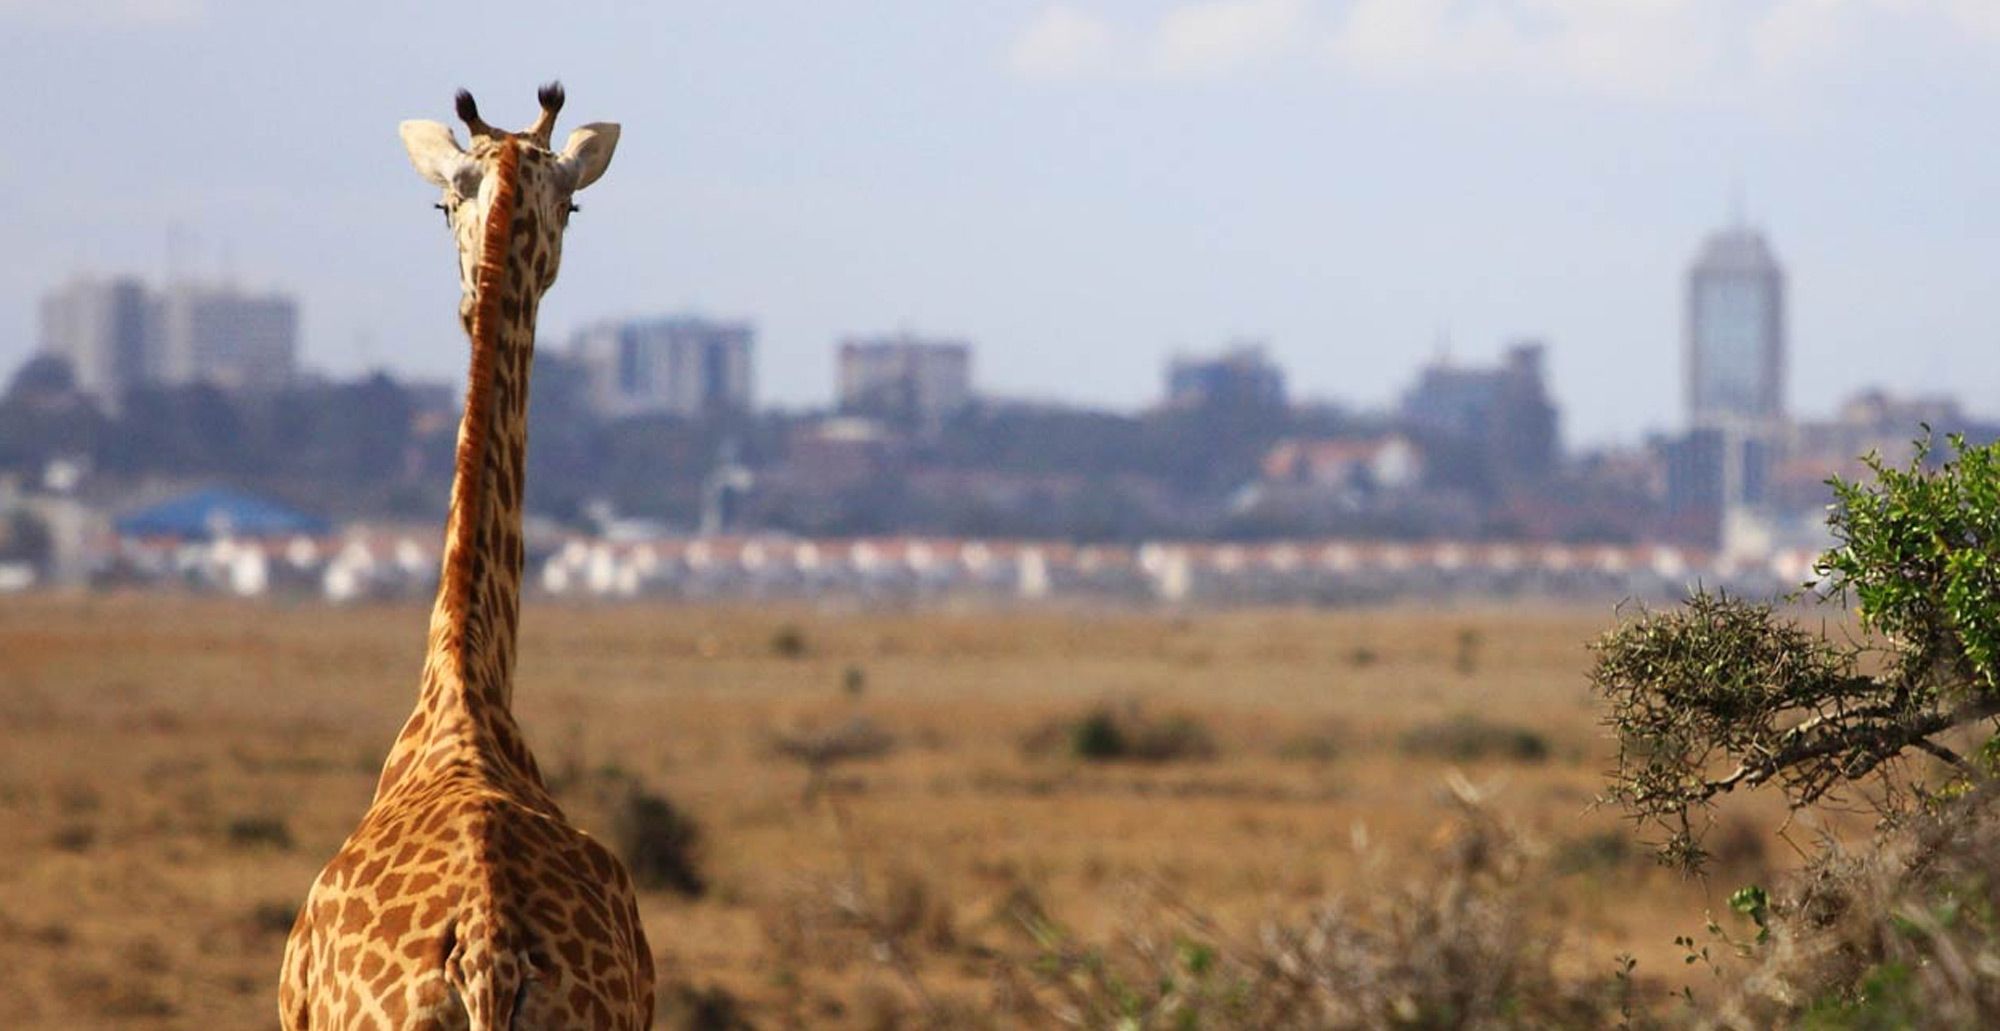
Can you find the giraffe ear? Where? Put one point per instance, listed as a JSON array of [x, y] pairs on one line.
[[438, 158], [588, 153]]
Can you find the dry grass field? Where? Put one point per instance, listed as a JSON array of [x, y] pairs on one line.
[[173, 772]]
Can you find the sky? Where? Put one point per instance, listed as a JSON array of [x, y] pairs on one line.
[[1081, 189]]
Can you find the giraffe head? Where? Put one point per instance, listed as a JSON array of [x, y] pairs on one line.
[[545, 183]]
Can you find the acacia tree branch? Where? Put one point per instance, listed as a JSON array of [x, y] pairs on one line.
[[1944, 753], [1871, 745]]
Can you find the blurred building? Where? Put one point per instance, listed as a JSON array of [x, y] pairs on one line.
[[226, 338], [905, 379], [116, 335], [103, 329], [1389, 462], [218, 512], [1503, 412], [1241, 377], [686, 366], [1713, 472], [1877, 421], [1870, 422], [1735, 332]]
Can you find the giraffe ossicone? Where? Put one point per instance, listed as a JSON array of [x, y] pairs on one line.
[[465, 899]]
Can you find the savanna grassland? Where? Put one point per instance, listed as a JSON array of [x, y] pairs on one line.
[[879, 797]]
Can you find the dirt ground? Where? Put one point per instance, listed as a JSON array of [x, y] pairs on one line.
[[174, 771]]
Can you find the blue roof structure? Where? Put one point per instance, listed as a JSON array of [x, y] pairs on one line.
[[216, 512]]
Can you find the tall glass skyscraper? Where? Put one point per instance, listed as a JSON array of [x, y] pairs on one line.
[[1735, 332]]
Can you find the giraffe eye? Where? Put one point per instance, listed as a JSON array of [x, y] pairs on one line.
[[573, 209], [441, 206]]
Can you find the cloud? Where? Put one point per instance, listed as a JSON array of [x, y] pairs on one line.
[[114, 14], [1636, 49], [1062, 42], [1203, 39], [1801, 38], [1977, 16], [1631, 48], [1650, 50]]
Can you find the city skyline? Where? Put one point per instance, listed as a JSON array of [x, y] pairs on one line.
[[692, 364], [1079, 189]]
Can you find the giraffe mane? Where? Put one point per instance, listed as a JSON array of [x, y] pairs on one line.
[[489, 278]]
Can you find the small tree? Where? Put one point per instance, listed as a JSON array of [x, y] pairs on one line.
[[1724, 694]]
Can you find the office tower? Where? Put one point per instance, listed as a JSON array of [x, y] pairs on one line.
[[1504, 412], [1735, 333], [904, 379], [685, 365], [226, 338], [102, 328], [1242, 376]]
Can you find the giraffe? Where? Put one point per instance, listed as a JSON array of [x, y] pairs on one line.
[[465, 899]]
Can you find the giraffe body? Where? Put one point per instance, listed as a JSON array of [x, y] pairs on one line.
[[465, 899], [458, 906]]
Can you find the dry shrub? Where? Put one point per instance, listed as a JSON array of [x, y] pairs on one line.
[[120, 997], [1906, 935], [1469, 944], [1469, 738], [1320, 746], [1597, 852], [879, 1007], [909, 908], [75, 798], [831, 922], [821, 748]]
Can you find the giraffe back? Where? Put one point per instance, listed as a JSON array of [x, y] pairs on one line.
[[458, 906]]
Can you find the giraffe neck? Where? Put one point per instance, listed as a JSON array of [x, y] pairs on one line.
[[463, 712]]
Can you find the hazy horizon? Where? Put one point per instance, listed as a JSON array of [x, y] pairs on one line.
[[1079, 189]]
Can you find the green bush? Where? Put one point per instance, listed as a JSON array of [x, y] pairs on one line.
[[74, 837], [659, 843], [255, 831], [271, 917], [1468, 738], [789, 642], [1127, 734], [1097, 738]]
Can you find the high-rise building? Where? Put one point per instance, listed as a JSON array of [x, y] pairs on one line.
[[905, 379], [1505, 412], [103, 329], [1241, 377], [686, 366], [1735, 332], [116, 335], [226, 338]]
